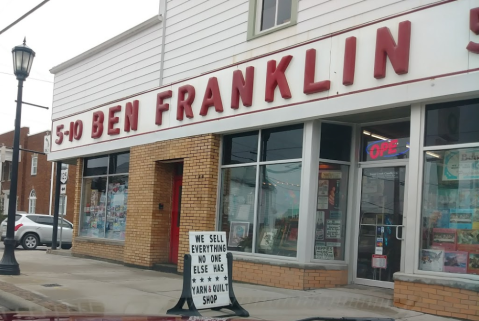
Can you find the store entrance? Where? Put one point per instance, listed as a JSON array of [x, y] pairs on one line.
[[380, 228], [176, 213]]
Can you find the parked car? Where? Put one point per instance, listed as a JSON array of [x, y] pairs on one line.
[[32, 230]]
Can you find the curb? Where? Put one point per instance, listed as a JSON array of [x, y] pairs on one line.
[[60, 252], [16, 303]]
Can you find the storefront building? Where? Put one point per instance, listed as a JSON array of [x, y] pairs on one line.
[[340, 146]]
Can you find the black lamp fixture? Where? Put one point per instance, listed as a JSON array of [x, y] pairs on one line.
[[22, 64], [22, 60]]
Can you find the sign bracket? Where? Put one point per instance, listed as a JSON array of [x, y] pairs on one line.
[[186, 295]]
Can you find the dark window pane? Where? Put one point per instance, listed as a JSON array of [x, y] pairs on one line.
[[47, 220], [268, 13], [282, 143], [32, 218], [452, 123], [335, 142], [386, 141], [96, 166], [120, 163], [284, 11], [240, 148]]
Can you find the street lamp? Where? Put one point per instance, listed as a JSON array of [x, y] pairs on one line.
[[22, 63]]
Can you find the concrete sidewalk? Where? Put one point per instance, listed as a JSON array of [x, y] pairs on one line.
[[54, 282]]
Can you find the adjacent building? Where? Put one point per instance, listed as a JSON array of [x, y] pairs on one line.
[[334, 142], [35, 192]]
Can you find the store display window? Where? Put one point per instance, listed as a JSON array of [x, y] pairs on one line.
[[260, 190], [450, 199], [105, 197]]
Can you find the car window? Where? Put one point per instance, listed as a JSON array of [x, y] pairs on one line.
[[45, 220], [17, 217], [32, 218], [64, 224]]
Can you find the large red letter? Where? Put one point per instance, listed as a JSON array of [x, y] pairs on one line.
[[474, 26], [275, 77], [131, 116], [184, 106], [112, 120], [97, 124], [160, 106], [398, 54], [242, 88], [349, 61], [212, 97], [309, 86]]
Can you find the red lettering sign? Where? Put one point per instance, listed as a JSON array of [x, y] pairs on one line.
[[183, 105], [386, 47], [242, 88], [131, 116], [309, 86], [97, 124], [349, 61], [275, 78], [160, 106], [383, 148], [212, 97], [112, 120], [474, 26], [59, 140]]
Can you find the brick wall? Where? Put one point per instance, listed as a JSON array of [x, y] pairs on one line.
[[287, 277], [98, 250], [436, 299]]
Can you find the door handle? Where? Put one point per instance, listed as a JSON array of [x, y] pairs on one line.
[[397, 232]]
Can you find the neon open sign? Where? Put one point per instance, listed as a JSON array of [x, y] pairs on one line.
[[386, 149]]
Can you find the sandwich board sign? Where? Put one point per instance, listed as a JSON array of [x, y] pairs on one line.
[[207, 272]]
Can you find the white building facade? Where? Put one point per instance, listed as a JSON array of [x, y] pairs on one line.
[[349, 145]]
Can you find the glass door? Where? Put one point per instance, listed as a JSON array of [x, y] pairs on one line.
[[381, 207]]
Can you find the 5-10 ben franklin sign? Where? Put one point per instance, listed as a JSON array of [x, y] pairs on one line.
[[207, 276]]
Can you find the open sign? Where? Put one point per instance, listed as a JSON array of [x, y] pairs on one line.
[[390, 148]]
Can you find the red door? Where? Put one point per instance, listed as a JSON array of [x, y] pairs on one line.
[[175, 219]]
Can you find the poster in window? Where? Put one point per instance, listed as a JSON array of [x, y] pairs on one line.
[[444, 238], [475, 219], [455, 262], [267, 239], [473, 263], [460, 219], [238, 231], [432, 260], [319, 235], [468, 164], [468, 240], [451, 166], [464, 198], [323, 187], [324, 253], [322, 202], [333, 229]]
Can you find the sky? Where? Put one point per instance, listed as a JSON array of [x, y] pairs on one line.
[[57, 32]]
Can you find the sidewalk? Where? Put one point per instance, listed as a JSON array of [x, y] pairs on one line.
[[54, 282]]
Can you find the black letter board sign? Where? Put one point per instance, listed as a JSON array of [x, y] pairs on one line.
[[207, 275]]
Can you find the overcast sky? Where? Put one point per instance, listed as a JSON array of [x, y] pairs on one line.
[[58, 31]]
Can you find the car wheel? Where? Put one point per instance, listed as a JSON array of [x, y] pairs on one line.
[[30, 241], [66, 246]]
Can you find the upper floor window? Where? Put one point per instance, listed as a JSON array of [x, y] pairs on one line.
[[32, 202], [34, 164], [266, 16], [6, 171]]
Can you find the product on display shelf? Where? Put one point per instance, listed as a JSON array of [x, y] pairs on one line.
[[444, 238], [432, 260], [473, 263], [455, 261], [460, 219], [468, 240]]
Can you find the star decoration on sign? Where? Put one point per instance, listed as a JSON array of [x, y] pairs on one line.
[[209, 279], [194, 280], [202, 280], [217, 278], [226, 278]]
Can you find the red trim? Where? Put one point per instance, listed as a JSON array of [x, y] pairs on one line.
[[261, 56], [288, 105]]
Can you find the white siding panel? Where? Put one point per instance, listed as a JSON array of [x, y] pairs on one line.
[[315, 19], [146, 36], [199, 8], [173, 11], [174, 3], [118, 64]]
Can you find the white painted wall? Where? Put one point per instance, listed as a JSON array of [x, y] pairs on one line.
[[127, 67], [203, 35]]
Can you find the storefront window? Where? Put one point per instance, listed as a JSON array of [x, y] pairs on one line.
[[385, 141], [450, 211], [332, 201], [105, 197], [335, 142], [272, 219]]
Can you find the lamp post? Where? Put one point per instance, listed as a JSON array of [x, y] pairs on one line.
[[22, 63]]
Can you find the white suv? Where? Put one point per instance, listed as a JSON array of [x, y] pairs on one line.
[[32, 230]]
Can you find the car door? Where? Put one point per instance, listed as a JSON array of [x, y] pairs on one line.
[[45, 228], [67, 231]]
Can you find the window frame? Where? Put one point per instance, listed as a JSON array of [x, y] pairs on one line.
[[258, 165], [34, 167], [107, 177], [32, 202], [254, 15], [423, 149]]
